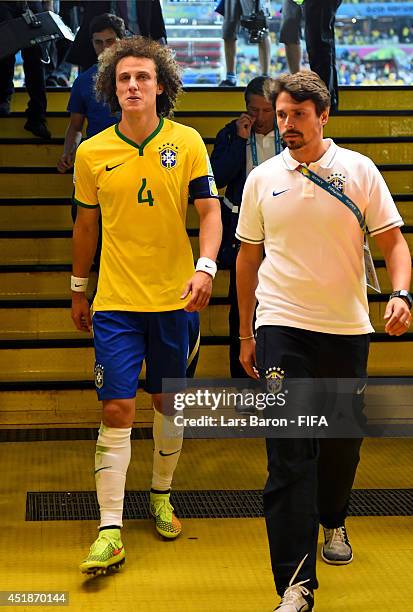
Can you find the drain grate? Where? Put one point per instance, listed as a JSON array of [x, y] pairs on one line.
[[82, 505]]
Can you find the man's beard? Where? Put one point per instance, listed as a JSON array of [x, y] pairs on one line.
[[294, 144]]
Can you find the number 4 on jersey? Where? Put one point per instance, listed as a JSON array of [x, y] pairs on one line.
[[143, 197]]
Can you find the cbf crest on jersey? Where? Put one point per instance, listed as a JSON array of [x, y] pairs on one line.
[[275, 377], [337, 180], [168, 155]]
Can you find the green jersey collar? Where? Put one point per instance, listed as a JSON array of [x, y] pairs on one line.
[[145, 142]]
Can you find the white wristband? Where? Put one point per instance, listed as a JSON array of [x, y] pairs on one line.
[[78, 284], [204, 264]]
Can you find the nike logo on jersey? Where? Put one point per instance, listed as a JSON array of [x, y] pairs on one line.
[[277, 193], [108, 169], [162, 454], [360, 391], [106, 467]]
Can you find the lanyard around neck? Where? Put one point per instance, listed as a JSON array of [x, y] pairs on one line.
[[318, 180], [253, 143]]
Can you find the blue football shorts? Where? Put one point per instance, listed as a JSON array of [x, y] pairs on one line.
[[167, 341]]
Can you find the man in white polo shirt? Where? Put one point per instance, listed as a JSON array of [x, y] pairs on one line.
[[312, 315]]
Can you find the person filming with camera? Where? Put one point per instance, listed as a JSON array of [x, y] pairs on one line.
[[250, 15]]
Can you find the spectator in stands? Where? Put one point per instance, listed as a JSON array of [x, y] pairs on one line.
[[239, 147], [143, 17], [104, 31], [33, 72], [82, 52], [233, 9], [290, 33], [319, 20], [58, 71]]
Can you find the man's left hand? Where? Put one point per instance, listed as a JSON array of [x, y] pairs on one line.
[[397, 317], [200, 287]]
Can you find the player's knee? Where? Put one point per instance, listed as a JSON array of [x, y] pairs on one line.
[[118, 413]]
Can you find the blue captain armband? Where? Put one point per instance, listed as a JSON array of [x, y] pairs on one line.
[[203, 187]]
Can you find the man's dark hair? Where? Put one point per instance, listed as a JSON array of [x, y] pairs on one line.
[[302, 86], [105, 21], [168, 72], [255, 88]]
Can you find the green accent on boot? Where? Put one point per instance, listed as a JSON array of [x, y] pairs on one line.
[[106, 553], [166, 523]]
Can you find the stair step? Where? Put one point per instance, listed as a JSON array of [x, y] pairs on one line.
[[55, 323], [41, 215], [58, 250], [66, 407], [29, 152], [345, 124], [54, 285], [390, 358], [213, 98]]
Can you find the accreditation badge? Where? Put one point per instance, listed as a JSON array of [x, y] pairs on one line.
[[371, 276]]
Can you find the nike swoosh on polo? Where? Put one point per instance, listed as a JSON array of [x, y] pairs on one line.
[[106, 467], [162, 454], [108, 169], [277, 193], [360, 391]]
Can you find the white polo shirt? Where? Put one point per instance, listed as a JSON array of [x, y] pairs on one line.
[[265, 149], [313, 276]]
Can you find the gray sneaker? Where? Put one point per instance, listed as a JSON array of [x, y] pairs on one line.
[[336, 549], [297, 598]]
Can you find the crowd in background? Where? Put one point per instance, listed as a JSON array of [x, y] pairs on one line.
[[352, 67]]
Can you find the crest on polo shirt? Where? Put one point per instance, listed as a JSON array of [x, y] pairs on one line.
[[99, 370], [337, 180], [275, 377], [168, 153]]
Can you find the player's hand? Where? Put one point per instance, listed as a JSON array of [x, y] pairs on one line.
[[397, 317], [244, 125], [247, 357], [200, 287], [81, 312], [65, 162]]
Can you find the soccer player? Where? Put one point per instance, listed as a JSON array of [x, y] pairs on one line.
[[138, 175], [312, 316]]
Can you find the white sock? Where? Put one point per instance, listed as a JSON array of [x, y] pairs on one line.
[[113, 451], [167, 439]]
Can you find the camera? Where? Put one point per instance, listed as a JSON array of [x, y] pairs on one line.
[[256, 24]]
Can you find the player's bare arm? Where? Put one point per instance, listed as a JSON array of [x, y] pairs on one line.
[[85, 237], [210, 235]]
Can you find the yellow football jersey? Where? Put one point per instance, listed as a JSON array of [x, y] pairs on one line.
[[143, 194]]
